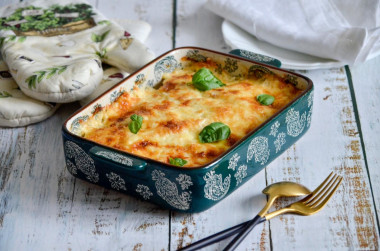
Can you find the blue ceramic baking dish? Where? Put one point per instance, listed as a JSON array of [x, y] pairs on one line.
[[189, 189]]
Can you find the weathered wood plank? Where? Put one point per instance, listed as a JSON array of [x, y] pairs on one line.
[[33, 173], [332, 144], [107, 220], [146, 226], [43, 206], [240, 206], [196, 26], [366, 82], [347, 161]]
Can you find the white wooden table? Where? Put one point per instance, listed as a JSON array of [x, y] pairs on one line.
[[42, 207]]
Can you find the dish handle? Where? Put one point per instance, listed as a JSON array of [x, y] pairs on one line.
[[256, 57], [116, 158]]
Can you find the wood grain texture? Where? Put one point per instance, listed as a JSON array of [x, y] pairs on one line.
[[42, 207], [366, 82], [240, 206], [197, 26], [31, 182], [332, 144]]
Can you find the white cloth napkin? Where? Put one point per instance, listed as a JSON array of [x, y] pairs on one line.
[[344, 30]]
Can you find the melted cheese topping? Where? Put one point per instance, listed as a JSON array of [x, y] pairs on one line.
[[175, 114]]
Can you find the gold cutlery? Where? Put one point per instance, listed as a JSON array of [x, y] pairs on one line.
[[311, 204], [274, 191]]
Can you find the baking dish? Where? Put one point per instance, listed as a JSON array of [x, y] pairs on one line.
[[191, 189]]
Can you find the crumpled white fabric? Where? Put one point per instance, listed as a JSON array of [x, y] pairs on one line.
[[344, 30], [66, 68]]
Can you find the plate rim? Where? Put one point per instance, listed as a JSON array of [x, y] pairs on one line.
[[226, 24]]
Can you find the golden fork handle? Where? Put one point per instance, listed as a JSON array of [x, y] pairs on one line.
[[278, 212], [270, 202], [309, 205]]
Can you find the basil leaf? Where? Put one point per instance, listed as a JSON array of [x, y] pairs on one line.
[[214, 132], [204, 80], [265, 99], [136, 123], [177, 161]]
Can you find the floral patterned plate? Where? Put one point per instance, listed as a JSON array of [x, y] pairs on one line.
[[188, 189]]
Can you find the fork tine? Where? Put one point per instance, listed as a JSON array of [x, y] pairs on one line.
[[321, 204], [317, 189], [303, 207], [319, 194], [324, 192]]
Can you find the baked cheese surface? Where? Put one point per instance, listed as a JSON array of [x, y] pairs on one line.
[[175, 113]]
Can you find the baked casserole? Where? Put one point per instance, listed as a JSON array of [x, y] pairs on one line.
[[170, 117]]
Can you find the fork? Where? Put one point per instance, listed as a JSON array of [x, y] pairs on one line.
[[263, 217], [309, 205]]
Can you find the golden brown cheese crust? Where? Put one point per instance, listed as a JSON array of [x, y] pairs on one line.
[[175, 114]]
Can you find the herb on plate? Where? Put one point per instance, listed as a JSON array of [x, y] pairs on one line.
[[177, 161], [136, 123], [204, 80], [265, 99], [214, 132]]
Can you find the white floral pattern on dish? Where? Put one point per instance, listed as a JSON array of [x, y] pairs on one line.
[[144, 191], [241, 174], [280, 141], [185, 181], [216, 188], [82, 161], [116, 181], [168, 191], [294, 122], [259, 149], [233, 161]]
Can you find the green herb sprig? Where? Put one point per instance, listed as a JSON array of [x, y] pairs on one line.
[[135, 124], [214, 132], [265, 99], [204, 80], [177, 161]]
